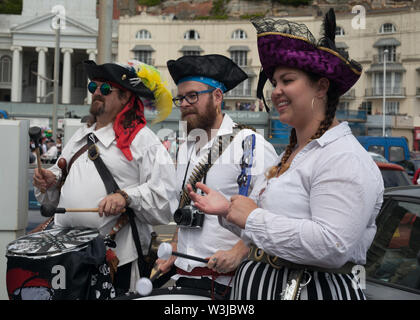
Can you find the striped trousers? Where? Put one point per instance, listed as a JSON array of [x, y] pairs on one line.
[[260, 281]]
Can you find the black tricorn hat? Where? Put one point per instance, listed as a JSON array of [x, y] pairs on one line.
[[125, 76], [214, 66]]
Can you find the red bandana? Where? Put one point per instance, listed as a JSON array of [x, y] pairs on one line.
[[125, 136]]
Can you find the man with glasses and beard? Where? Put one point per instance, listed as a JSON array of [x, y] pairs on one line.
[[201, 82], [133, 154]]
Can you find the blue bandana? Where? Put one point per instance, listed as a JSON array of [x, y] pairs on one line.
[[208, 81]]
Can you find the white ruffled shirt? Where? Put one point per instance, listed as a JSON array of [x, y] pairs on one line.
[[322, 210], [149, 180], [222, 176]]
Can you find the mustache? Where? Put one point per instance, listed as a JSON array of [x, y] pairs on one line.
[[98, 98]]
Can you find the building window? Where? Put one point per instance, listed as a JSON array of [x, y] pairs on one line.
[[80, 77], [366, 106], [191, 35], [239, 34], [239, 57], [143, 34], [191, 53], [343, 105], [393, 84], [391, 56], [339, 31], [5, 69], [392, 107], [144, 56], [387, 28], [33, 67], [242, 90]]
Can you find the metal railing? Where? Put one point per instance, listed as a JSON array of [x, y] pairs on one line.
[[379, 58], [389, 92]]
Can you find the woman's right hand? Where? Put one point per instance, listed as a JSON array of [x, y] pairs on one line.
[[44, 179], [213, 202]]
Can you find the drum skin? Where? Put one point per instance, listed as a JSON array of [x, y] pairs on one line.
[[58, 264]]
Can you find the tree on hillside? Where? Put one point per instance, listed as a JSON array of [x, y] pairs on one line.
[[10, 6]]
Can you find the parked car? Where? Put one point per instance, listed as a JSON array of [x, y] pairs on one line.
[[394, 175], [392, 266], [378, 157]]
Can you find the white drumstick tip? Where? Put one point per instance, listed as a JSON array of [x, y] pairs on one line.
[[144, 286], [164, 251]]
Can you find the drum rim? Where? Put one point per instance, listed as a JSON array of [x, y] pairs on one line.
[[173, 290], [75, 248]]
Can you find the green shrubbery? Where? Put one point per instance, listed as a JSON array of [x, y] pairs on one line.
[[149, 3], [11, 6]]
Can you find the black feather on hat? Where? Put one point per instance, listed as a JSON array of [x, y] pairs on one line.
[[212, 66], [119, 74]]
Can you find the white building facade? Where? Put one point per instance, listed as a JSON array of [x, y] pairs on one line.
[[27, 47]]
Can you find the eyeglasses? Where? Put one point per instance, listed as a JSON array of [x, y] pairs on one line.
[[191, 97], [105, 88]]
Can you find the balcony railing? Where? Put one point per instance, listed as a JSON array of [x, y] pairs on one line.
[[379, 58], [351, 115], [349, 95], [389, 92], [240, 92]]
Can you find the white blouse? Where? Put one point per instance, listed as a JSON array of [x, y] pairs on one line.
[[322, 210]]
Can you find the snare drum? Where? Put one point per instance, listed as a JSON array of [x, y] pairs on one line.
[[57, 264], [172, 293]]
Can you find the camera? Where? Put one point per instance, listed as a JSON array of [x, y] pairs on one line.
[[189, 217]]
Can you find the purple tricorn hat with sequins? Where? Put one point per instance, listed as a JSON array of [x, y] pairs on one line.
[[286, 43]]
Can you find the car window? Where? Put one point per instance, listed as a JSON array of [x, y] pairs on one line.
[[392, 257], [395, 178], [396, 154], [377, 149]]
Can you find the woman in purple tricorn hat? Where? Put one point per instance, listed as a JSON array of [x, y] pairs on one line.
[[311, 220]]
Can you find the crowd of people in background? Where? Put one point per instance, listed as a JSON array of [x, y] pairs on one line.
[[49, 149]]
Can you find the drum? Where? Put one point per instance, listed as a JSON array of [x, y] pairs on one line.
[[57, 264], [172, 293]]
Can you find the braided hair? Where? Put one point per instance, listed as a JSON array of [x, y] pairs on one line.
[[331, 107]]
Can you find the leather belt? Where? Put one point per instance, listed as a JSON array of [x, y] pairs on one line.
[[258, 255]]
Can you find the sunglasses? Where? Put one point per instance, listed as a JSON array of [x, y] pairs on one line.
[[105, 88]]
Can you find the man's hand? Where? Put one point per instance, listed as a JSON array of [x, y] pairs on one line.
[[112, 205], [213, 202], [44, 179]]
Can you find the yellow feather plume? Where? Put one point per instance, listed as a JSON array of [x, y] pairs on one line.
[[152, 79]]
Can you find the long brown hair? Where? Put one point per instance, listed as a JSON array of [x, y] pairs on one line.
[[331, 107]]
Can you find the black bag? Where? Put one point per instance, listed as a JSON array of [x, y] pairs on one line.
[[59, 264]]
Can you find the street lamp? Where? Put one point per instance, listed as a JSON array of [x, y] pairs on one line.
[[385, 53]]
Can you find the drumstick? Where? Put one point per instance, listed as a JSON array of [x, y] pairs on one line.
[[35, 134], [49, 210], [144, 285], [165, 251]]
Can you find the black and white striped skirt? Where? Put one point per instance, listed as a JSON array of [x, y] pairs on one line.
[[260, 281]]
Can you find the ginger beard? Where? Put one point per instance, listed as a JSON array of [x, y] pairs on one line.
[[200, 118]]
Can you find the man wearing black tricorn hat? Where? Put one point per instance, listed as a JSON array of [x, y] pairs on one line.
[[202, 82], [134, 155]]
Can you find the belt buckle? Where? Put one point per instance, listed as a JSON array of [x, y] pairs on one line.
[[93, 152]]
